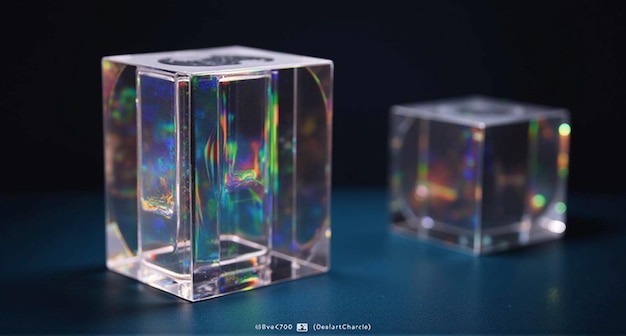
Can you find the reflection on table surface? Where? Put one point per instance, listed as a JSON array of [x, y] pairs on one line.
[[53, 273]]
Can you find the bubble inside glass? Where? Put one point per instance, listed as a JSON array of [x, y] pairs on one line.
[[217, 168], [479, 174]]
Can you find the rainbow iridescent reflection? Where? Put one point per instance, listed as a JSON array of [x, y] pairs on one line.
[[218, 168], [479, 174]]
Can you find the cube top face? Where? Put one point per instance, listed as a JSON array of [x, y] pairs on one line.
[[479, 182], [219, 60], [217, 181], [479, 111]]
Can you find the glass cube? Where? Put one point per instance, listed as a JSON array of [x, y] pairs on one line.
[[479, 174], [217, 165]]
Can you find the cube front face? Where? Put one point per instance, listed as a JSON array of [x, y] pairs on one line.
[[217, 168], [478, 174]]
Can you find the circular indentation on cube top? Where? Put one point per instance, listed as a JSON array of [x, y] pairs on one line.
[[214, 60], [478, 108]]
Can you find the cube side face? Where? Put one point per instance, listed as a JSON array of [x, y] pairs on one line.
[[436, 180], [476, 186], [120, 157], [262, 177], [222, 202], [163, 176], [525, 182], [302, 175], [545, 183]]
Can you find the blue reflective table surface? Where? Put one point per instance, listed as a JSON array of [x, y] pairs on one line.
[[53, 278]]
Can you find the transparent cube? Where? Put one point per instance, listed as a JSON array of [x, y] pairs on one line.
[[217, 165], [479, 174]]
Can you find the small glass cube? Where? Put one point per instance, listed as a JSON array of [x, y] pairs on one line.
[[217, 168], [479, 174]]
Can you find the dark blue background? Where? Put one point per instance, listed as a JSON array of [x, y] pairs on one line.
[[561, 53]]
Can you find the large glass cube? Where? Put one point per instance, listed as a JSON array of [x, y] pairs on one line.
[[217, 165], [479, 174]]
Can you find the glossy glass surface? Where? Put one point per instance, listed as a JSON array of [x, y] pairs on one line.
[[479, 174], [226, 171]]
